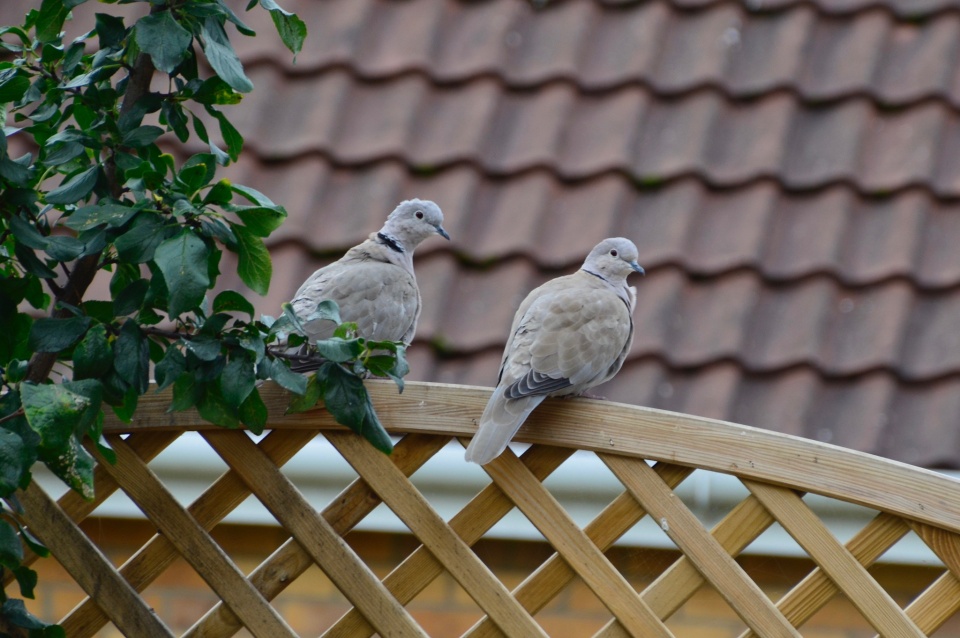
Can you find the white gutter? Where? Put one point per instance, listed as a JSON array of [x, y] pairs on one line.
[[583, 485]]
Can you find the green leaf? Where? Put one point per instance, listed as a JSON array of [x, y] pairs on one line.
[[185, 393], [106, 213], [288, 379], [62, 152], [232, 301], [174, 116], [222, 57], [170, 367], [392, 366], [53, 412], [11, 551], [73, 465], [14, 459], [261, 220], [13, 338], [292, 29], [75, 188], [13, 88], [50, 20], [162, 37], [253, 260], [253, 412], [93, 356], [26, 579], [26, 232], [132, 356], [204, 347], [215, 409], [252, 195], [139, 244], [64, 248], [339, 350], [127, 406], [15, 172], [309, 398], [215, 91], [110, 30], [231, 136], [183, 262], [237, 380], [31, 263], [56, 335], [197, 172], [130, 300], [142, 136], [345, 397]]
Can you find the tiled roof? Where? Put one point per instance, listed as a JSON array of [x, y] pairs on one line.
[[790, 170]]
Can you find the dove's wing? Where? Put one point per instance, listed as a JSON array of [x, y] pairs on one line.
[[568, 335]]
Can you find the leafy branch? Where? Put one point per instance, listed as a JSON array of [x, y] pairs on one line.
[[93, 194]]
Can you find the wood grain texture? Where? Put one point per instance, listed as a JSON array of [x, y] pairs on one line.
[[547, 515], [420, 568], [812, 535], [290, 560], [331, 553], [400, 495], [752, 453], [816, 589], [193, 542], [88, 566], [936, 604], [703, 550], [226, 493]]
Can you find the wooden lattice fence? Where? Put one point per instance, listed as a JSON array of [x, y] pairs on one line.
[[776, 469]]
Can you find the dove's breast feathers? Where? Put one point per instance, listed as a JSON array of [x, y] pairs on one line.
[[379, 295]]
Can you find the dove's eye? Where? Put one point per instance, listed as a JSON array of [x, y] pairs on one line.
[[419, 214], [613, 253]]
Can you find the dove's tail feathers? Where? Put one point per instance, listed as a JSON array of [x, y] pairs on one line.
[[500, 421]]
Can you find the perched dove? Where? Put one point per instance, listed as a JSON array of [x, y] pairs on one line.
[[570, 334], [373, 283]]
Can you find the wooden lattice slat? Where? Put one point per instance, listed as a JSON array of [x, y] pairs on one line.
[[194, 543], [325, 546], [209, 509], [700, 547], [843, 568], [775, 468], [146, 444], [88, 566], [290, 560], [549, 579], [578, 551], [816, 590], [409, 505], [420, 568]]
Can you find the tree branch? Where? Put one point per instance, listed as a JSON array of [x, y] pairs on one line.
[[41, 363]]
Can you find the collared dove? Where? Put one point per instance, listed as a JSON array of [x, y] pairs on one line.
[[373, 284], [569, 335]]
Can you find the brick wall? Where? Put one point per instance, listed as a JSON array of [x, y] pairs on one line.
[[312, 603]]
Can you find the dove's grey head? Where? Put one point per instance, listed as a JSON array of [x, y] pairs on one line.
[[411, 222], [613, 259]]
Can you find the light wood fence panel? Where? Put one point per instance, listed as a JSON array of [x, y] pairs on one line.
[[776, 469]]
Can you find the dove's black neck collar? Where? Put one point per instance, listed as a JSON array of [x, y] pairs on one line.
[[391, 242], [598, 276]]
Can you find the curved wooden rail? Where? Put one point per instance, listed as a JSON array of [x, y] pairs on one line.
[[775, 468]]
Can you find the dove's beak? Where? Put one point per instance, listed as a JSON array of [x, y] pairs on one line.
[[637, 268], [442, 232]]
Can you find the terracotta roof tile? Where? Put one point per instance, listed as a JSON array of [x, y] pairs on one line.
[[789, 169]]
